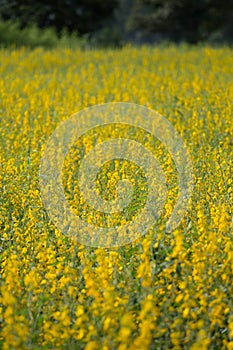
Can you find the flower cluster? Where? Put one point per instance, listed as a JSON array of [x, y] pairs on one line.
[[163, 291]]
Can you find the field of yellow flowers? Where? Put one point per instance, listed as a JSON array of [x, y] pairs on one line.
[[162, 291]]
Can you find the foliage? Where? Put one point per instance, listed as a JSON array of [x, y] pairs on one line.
[[31, 36], [191, 21], [112, 22], [83, 16]]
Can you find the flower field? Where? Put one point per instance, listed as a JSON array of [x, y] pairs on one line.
[[161, 291]]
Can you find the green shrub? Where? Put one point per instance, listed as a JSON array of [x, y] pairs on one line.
[[31, 36]]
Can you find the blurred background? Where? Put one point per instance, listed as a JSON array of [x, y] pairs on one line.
[[110, 23]]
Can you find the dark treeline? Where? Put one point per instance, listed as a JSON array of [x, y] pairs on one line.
[[119, 21]]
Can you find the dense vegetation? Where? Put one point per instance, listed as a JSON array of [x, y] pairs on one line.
[[163, 291], [117, 22]]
